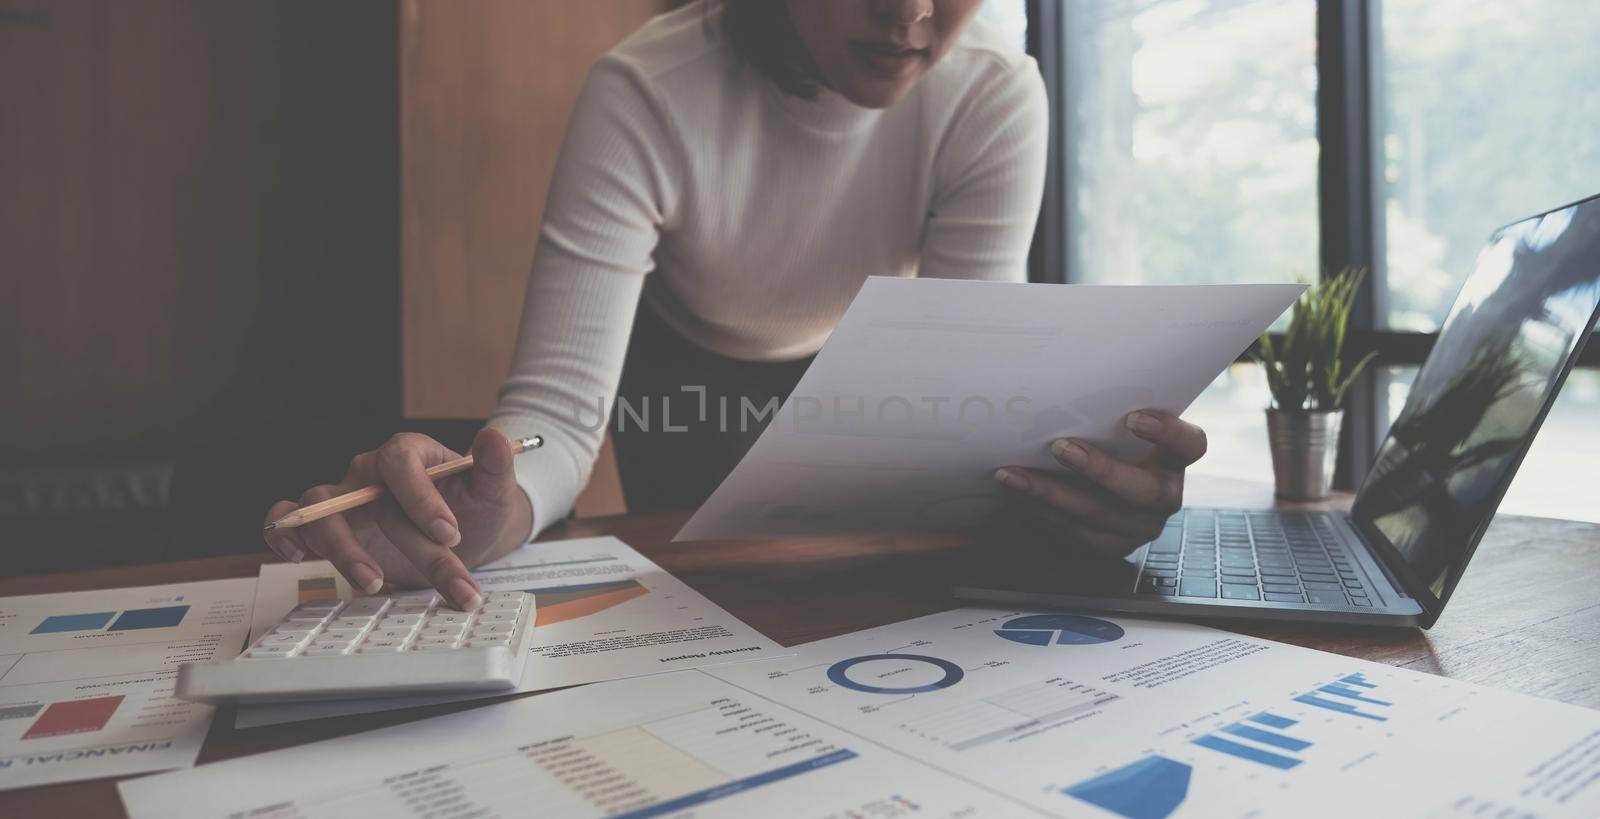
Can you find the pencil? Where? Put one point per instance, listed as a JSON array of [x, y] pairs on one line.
[[368, 494]]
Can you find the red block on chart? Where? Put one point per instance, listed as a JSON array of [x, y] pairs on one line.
[[74, 717]]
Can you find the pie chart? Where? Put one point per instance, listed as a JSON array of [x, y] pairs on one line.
[[1059, 629]]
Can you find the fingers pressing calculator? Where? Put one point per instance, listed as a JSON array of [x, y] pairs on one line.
[[374, 647]]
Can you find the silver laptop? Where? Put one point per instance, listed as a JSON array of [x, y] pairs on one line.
[[1514, 332]]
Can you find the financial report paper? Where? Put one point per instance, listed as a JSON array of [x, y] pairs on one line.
[[927, 386], [970, 713], [604, 612], [86, 678], [1120, 717], [679, 744]]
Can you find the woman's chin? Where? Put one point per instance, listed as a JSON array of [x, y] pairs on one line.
[[875, 91]]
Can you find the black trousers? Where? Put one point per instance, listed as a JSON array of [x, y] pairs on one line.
[[684, 415]]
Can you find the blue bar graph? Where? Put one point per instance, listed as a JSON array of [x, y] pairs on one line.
[[1255, 734], [1347, 697], [1272, 720], [1248, 752], [1342, 690], [1151, 788]]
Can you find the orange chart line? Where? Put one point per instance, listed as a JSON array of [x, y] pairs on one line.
[[584, 606]]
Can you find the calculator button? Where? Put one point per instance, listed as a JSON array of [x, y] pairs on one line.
[[381, 647], [269, 652], [322, 605], [502, 606], [449, 618], [313, 617], [498, 617], [325, 651], [364, 607], [515, 597], [406, 609], [434, 647], [399, 620], [492, 628], [331, 633], [351, 622], [290, 639], [416, 598], [489, 642], [294, 628], [390, 634], [450, 632]]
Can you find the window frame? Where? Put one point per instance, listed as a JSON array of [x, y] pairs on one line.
[[1350, 202]]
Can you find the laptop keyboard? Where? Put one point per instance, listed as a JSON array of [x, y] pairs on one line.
[[1272, 556]]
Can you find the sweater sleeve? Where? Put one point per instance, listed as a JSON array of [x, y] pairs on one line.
[[612, 190], [990, 179]]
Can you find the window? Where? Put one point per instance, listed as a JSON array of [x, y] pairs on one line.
[[1271, 140], [1192, 158], [1489, 113]]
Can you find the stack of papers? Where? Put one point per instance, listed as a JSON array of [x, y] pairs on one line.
[[86, 678], [968, 713]]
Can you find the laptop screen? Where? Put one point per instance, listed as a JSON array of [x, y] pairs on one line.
[[1511, 336]]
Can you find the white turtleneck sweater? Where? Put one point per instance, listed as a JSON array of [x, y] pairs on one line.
[[748, 219]]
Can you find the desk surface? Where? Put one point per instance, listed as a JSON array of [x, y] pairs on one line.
[[1524, 619]]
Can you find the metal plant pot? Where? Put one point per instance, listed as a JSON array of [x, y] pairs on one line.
[[1304, 446]]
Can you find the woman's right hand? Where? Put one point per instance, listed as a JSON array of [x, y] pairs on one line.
[[422, 533]]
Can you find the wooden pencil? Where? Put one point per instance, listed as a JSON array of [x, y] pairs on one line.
[[368, 494]]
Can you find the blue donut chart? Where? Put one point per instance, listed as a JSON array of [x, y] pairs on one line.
[[952, 674]]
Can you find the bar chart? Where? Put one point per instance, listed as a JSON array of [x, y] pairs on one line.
[[1342, 696], [1265, 746], [127, 620], [73, 717]]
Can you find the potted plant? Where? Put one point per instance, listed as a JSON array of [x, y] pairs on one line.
[[1307, 375]]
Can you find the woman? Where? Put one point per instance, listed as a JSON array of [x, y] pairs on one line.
[[731, 174]]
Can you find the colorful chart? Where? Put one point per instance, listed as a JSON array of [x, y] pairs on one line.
[[1151, 788], [1349, 690], [838, 673], [1060, 629], [1268, 744], [163, 617], [159, 617], [20, 711], [317, 588], [91, 621], [558, 604], [74, 717]]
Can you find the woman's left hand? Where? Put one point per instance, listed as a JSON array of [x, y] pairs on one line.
[[1128, 503]]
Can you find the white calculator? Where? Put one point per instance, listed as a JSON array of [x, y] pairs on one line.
[[374, 647]]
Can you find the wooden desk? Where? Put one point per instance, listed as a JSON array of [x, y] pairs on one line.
[[1525, 618]]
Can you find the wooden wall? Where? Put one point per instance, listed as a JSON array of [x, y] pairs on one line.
[[198, 219], [485, 98]]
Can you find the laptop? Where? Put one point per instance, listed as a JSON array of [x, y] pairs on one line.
[[1514, 332]]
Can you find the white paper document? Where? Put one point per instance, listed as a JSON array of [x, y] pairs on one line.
[[86, 678], [1119, 717], [680, 744], [927, 386], [604, 612]]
